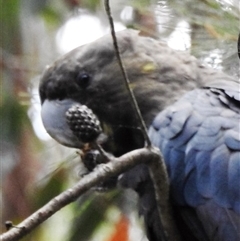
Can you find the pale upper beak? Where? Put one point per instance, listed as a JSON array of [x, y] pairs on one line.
[[54, 120]]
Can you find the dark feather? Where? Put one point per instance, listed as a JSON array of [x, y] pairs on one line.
[[193, 115]]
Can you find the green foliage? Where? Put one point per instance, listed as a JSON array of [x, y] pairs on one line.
[[90, 214], [142, 4], [53, 187], [51, 16], [223, 22], [90, 4], [9, 19], [9, 11], [13, 117]]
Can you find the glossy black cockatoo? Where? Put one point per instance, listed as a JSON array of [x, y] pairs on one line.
[[192, 113]]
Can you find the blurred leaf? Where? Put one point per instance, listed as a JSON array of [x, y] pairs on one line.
[[143, 4], [51, 16], [52, 188], [224, 23], [9, 19], [90, 4], [10, 10], [13, 117], [91, 214]]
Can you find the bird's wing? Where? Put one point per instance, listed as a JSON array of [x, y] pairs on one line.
[[199, 137]]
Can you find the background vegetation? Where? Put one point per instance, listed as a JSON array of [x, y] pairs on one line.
[[35, 168]]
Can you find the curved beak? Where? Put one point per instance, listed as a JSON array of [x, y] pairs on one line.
[[54, 120]]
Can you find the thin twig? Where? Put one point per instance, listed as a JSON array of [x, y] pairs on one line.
[[157, 166], [238, 47], [125, 77]]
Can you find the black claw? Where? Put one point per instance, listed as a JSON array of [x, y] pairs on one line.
[[91, 159]]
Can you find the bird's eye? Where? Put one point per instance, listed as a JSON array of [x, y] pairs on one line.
[[83, 79]]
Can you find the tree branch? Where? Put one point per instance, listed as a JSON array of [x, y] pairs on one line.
[[101, 173], [159, 177], [148, 155]]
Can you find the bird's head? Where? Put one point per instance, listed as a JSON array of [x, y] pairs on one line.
[[90, 75]]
